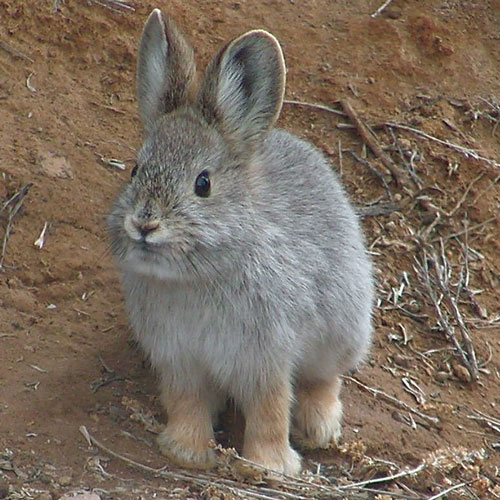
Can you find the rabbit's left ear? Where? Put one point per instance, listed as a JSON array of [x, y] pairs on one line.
[[242, 92], [166, 70]]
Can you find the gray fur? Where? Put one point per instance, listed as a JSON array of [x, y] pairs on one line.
[[165, 69], [267, 277]]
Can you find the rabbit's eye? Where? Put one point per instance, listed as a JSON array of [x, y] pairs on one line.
[[134, 171], [202, 185]]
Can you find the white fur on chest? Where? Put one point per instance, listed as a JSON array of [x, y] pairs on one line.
[[199, 333]]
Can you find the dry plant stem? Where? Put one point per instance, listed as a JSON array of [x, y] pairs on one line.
[[399, 475], [374, 171], [198, 480], [448, 490], [381, 8], [491, 422], [14, 52], [400, 404], [114, 5], [467, 152], [371, 142], [482, 193], [376, 210], [19, 199], [320, 107], [459, 233], [464, 196], [441, 276], [414, 177]]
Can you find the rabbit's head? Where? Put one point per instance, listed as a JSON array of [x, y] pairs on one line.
[[197, 172]]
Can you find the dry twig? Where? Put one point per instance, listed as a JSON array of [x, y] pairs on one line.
[[381, 8], [17, 201], [371, 142], [409, 167], [320, 107], [445, 492], [14, 52], [467, 152], [435, 273], [374, 171], [400, 404], [399, 475], [114, 5], [378, 209]]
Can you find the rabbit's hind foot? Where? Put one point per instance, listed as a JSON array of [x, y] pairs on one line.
[[317, 415]]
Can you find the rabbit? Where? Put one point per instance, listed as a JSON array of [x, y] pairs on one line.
[[242, 261]]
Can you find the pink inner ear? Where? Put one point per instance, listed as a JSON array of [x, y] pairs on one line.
[[243, 88]]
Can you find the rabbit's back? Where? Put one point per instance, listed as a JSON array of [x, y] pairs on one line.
[[303, 187], [320, 233]]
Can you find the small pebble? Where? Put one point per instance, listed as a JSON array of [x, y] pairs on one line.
[[401, 360], [442, 376], [4, 488], [461, 373], [393, 13], [65, 480]]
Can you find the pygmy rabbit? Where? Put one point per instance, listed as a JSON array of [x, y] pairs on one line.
[[243, 265]]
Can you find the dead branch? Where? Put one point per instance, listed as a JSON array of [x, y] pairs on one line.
[[464, 196], [381, 9], [471, 228], [14, 52], [440, 278], [114, 6], [399, 475], [414, 177], [372, 143], [374, 171], [390, 399], [320, 107], [467, 152], [18, 199], [447, 490], [379, 209]]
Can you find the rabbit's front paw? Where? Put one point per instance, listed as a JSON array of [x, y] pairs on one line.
[[286, 461], [317, 415], [186, 450]]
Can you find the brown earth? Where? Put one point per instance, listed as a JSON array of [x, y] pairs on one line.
[[67, 107]]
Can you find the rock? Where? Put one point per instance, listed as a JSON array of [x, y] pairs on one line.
[[442, 376], [65, 480], [44, 496], [461, 373], [81, 496], [4, 488]]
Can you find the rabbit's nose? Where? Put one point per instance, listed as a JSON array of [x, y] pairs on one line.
[[146, 228]]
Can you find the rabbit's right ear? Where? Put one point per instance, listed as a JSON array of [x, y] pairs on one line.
[[243, 88], [166, 70]]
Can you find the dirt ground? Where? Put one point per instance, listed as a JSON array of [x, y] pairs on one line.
[[67, 108]]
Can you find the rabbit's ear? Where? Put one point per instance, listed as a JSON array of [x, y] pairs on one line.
[[242, 92], [166, 70]]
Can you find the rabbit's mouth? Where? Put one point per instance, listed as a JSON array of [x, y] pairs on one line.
[[153, 261], [146, 252]]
